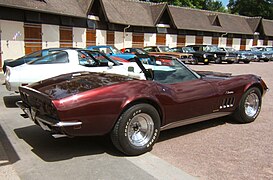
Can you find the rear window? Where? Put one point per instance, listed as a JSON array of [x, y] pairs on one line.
[[56, 58]]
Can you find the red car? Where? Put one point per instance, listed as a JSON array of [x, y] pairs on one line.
[[134, 111]]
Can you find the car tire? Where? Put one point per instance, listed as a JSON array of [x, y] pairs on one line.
[[195, 62], [229, 62], [218, 61], [266, 60], [249, 106], [136, 130], [246, 62], [206, 63]]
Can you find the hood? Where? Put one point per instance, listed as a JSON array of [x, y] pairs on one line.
[[214, 74], [74, 83]]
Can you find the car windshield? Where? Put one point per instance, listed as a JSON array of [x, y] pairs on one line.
[[211, 49], [116, 51], [170, 71], [140, 51], [269, 48], [93, 58], [56, 58], [188, 49], [164, 49], [257, 49], [231, 49]]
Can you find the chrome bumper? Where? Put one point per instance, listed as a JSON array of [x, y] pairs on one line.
[[43, 121]]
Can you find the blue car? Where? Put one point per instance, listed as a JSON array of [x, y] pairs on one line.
[[261, 54], [29, 57], [112, 51]]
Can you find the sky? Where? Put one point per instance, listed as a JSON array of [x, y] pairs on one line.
[[225, 2]]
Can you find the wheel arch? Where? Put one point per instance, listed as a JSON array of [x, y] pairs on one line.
[[146, 101], [257, 85]]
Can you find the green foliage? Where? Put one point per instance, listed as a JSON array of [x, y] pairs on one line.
[[263, 8], [212, 5]]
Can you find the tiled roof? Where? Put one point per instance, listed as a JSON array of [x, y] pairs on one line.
[[267, 27]]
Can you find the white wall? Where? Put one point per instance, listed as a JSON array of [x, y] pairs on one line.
[[12, 39], [236, 42], [249, 43], [149, 39], [222, 41], [207, 40], [171, 40], [270, 43], [190, 40], [101, 37], [128, 40], [260, 42], [50, 36], [79, 37], [118, 40]]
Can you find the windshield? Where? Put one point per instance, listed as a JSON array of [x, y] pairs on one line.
[[56, 58], [188, 49], [115, 50], [170, 71], [269, 48], [211, 49], [93, 58], [231, 49], [164, 49]]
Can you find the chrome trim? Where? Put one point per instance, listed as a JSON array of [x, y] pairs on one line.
[[56, 136], [59, 124], [194, 120]]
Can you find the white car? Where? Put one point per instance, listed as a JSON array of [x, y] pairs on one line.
[[66, 61]]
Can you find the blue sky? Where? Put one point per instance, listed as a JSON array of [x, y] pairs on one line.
[[225, 2]]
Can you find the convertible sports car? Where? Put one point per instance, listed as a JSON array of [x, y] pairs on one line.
[[134, 111], [66, 61]]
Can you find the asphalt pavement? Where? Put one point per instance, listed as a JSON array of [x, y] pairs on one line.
[[28, 152]]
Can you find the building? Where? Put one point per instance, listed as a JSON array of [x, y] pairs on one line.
[[30, 25]]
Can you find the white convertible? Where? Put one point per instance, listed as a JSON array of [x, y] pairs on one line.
[[66, 61]]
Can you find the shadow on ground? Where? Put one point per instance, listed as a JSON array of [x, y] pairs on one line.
[[10, 101], [50, 149]]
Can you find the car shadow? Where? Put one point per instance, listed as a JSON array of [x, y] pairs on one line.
[[10, 101], [50, 149], [7, 153], [191, 128]]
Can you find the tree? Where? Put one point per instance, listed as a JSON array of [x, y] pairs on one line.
[[263, 8], [212, 5]]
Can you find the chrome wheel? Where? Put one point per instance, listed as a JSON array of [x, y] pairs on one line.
[[140, 129], [252, 104]]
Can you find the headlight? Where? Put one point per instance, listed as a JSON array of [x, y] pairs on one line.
[[215, 55], [255, 56], [263, 56], [204, 56]]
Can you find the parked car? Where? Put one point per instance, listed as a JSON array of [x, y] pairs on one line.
[[143, 55], [134, 111], [70, 60], [262, 55], [112, 51], [29, 57], [199, 56], [219, 55], [242, 56], [165, 50]]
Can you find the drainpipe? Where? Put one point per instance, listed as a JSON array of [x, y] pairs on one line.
[[124, 30], [222, 37]]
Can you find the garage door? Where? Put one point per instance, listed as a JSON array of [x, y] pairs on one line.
[[90, 37], [110, 39], [181, 40], [138, 40], [66, 37], [33, 37], [161, 39], [243, 44], [215, 41]]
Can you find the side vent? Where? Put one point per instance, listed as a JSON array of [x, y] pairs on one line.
[[227, 103]]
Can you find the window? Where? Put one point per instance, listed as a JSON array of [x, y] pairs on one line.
[[173, 72], [93, 59], [57, 58]]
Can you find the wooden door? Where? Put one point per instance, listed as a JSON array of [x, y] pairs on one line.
[[138, 40], [66, 37], [160, 39], [229, 42], [33, 37], [243, 44], [110, 39], [199, 40], [215, 41], [91, 37], [181, 40]]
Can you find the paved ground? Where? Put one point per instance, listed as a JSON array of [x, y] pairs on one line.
[[221, 149], [215, 149], [27, 152]]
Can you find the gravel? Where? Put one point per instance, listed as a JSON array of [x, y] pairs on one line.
[[219, 148]]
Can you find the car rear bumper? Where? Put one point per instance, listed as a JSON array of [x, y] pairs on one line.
[[47, 123]]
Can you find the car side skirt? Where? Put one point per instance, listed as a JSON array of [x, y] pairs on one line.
[[194, 120]]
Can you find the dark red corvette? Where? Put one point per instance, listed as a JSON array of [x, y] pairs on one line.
[[134, 111]]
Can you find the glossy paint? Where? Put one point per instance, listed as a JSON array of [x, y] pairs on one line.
[[99, 105]]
